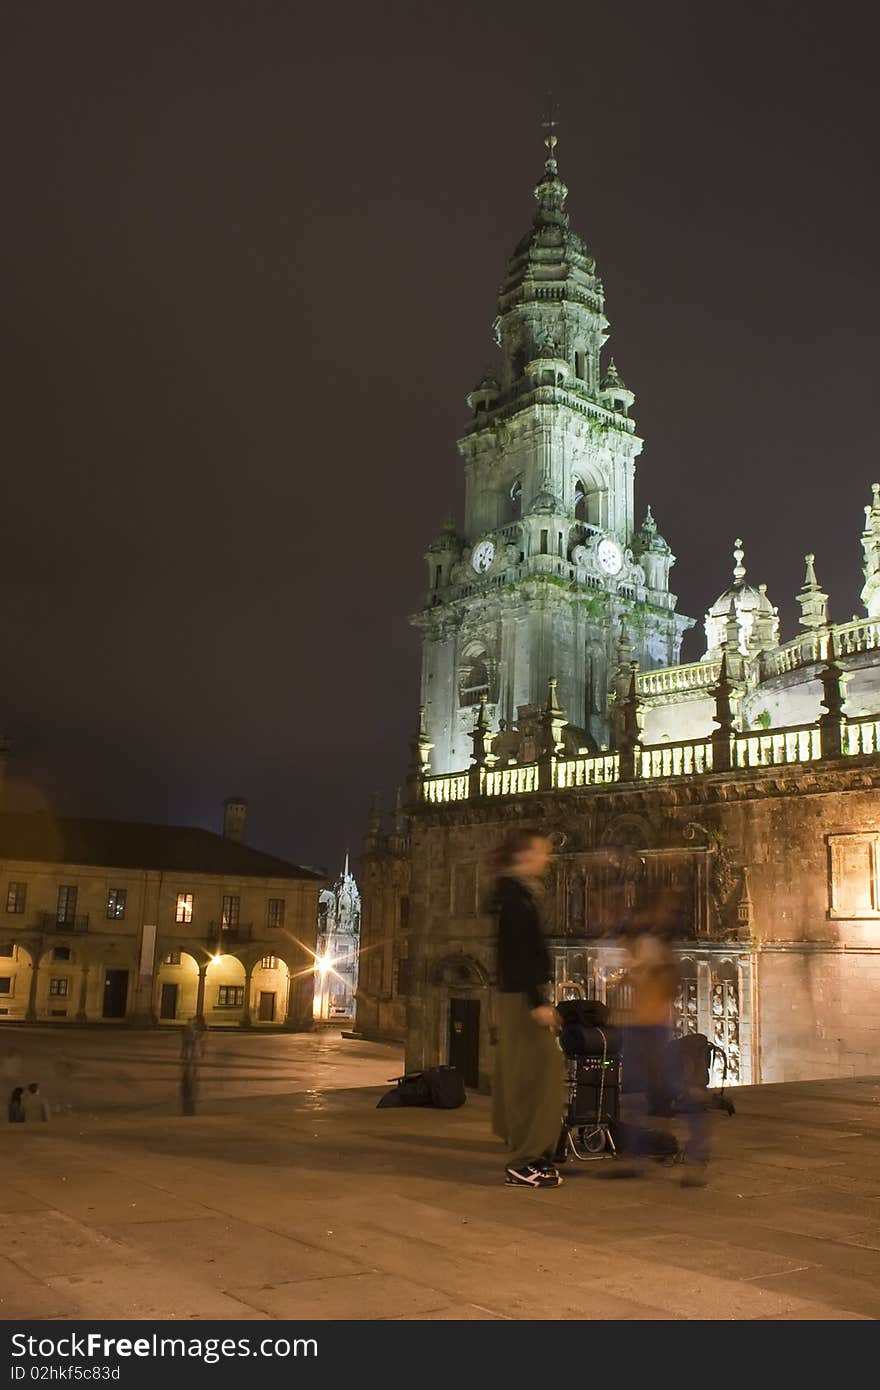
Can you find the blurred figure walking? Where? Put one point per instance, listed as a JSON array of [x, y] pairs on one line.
[[16, 1106], [653, 1077], [192, 1048], [528, 1082], [34, 1104]]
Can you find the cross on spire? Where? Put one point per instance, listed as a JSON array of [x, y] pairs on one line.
[[551, 125]]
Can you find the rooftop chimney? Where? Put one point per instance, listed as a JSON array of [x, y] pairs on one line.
[[234, 819]]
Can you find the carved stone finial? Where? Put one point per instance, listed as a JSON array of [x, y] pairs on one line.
[[739, 569], [812, 600]]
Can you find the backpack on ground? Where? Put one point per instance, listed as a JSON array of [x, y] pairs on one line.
[[441, 1087]]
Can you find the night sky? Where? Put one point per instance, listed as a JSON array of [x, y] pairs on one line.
[[251, 257]]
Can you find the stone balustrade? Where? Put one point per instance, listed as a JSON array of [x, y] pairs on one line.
[[773, 747], [755, 748], [587, 771], [807, 649], [672, 680], [685, 759]]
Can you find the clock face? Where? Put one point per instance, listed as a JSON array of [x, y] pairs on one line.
[[483, 556], [609, 556]]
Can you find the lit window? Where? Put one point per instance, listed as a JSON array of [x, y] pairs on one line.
[[275, 916], [116, 903], [16, 897], [269, 963], [230, 996], [231, 906], [172, 958], [184, 907], [66, 913], [58, 986]]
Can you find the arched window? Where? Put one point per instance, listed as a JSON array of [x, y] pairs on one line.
[[516, 494], [587, 503], [474, 679]]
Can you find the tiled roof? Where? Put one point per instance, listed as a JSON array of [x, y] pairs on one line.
[[130, 845]]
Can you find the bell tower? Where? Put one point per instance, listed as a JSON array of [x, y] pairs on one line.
[[548, 561]]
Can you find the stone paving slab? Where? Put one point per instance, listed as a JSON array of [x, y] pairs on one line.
[[287, 1198]]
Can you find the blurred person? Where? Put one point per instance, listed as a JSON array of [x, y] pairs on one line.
[[12, 1065], [528, 1082], [16, 1106], [34, 1104], [653, 1077], [192, 1047]]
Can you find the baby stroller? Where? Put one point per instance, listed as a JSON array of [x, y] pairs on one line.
[[592, 1080]]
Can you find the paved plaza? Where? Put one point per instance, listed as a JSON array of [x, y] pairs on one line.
[[290, 1196]]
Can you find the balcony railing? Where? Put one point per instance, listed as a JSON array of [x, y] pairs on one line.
[[225, 935], [807, 649], [674, 680], [50, 921], [753, 748]]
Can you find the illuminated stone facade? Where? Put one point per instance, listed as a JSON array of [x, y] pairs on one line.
[[734, 797], [106, 921]]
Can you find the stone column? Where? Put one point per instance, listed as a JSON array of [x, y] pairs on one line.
[[830, 730], [81, 1013], [480, 752], [630, 745], [722, 737], [246, 1021], [31, 1015], [200, 996], [291, 1017]]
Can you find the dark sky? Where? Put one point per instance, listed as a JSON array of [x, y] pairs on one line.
[[251, 259]]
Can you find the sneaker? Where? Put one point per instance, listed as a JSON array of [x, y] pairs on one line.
[[540, 1174]]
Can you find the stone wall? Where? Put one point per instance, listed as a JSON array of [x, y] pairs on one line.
[[771, 876]]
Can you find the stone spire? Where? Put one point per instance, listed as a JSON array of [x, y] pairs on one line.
[[871, 547], [373, 837], [551, 192], [615, 394], [812, 600]]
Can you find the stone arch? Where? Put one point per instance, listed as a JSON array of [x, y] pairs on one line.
[[270, 977], [628, 831], [225, 1000], [62, 988], [474, 674], [587, 496], [16, 967], [176, 987], [460, 971]]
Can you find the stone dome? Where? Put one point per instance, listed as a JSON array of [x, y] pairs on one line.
[[756, 618]]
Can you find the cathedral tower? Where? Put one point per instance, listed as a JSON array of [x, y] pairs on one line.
[[548, 575]]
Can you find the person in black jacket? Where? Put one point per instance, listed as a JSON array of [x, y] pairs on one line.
[[528, 1084]]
